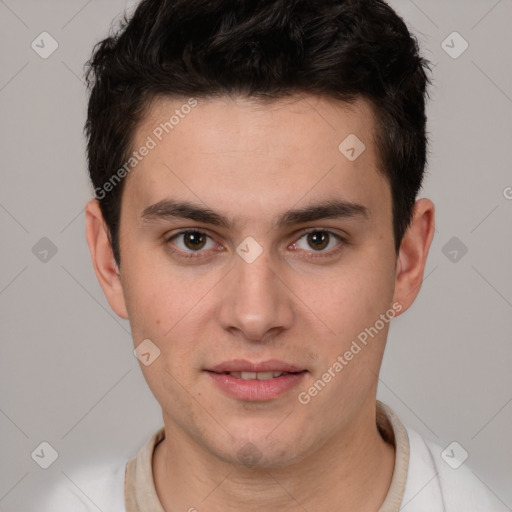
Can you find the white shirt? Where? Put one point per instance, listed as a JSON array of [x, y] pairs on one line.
[[422, 481]]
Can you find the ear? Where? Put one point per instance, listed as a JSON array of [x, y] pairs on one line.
[[102, 257], [413, 253]]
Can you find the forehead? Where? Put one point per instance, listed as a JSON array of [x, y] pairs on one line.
[[239, 150], [296, 122]]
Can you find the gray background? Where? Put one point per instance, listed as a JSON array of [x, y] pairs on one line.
[[68, 375]]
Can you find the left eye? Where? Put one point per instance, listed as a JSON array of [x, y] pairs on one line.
[[317, 240], [192, 241]]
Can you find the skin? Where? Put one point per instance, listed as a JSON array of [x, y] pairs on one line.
[[250, 162]]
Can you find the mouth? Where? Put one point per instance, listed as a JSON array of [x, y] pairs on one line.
[[257, 375], [265, 368], [256, 382]]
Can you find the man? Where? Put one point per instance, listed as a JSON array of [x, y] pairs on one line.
[[256, 168]]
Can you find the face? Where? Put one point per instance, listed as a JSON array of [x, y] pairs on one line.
[[250, 241]]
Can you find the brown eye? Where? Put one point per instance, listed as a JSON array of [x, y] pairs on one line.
[[318, 240], [194, 240]]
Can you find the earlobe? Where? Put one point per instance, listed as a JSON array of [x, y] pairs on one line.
[[413, 254], [102, 258]]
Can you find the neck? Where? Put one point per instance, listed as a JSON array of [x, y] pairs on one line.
[[351, 471]]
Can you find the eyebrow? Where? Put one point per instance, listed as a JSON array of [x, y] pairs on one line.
[[334, 209]]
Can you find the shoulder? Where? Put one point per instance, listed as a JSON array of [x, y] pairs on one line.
[[87, 489], [441, 478]]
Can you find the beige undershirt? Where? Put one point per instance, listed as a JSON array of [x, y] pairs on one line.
[[140, 493]]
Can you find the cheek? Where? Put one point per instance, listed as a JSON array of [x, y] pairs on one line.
[[349, 298], [157, 297], [167, 307]]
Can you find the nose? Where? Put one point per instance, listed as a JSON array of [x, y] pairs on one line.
[[255, 303]]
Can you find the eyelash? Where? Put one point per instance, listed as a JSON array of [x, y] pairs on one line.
[[310, 254]]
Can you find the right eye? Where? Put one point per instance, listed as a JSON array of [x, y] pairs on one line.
[[191, 242]]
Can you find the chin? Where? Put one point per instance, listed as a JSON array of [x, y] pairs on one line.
[[260, 452]]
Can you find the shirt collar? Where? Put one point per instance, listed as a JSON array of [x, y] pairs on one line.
[[140, 494]]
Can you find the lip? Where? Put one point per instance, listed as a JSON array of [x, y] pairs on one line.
[[255, 390], [242, 365]]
